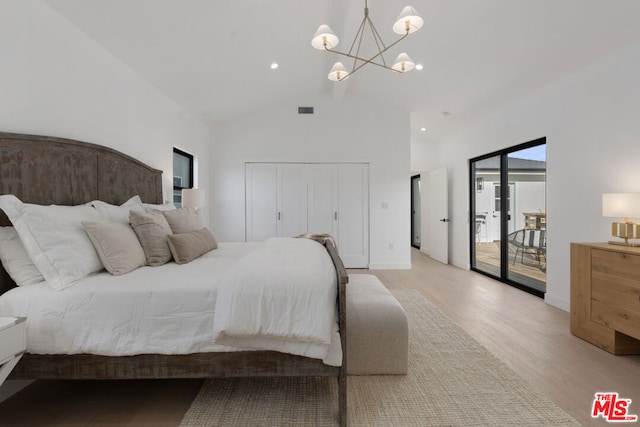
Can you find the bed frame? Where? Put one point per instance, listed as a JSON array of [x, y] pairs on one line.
[[50, 170]]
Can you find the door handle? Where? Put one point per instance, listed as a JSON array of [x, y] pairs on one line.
[[445, 220], [278, 216]]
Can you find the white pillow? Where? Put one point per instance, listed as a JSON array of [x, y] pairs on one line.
[[55, 240], [118, 213], [16, 260]]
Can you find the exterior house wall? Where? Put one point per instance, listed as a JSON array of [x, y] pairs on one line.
[[527, 196]]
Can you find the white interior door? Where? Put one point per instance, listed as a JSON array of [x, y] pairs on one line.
[[322, 197], [261, 207], [439, 215], [292, 200], [495, 219]]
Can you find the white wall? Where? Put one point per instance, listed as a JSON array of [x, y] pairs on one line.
[[56, 81], [590, 120], [343, 130]]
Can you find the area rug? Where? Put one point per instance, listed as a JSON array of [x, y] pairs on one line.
[[452, 381]]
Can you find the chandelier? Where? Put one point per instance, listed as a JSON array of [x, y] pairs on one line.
[[408, 22]]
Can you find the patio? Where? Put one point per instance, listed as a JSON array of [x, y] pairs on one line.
[[530, 272]]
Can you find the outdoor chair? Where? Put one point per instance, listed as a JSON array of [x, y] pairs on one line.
[[532, 241]]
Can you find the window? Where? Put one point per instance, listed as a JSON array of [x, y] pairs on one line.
[[182, 174], [497, 192]]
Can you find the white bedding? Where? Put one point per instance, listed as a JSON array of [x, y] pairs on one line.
[[279, 297], [165, 310]]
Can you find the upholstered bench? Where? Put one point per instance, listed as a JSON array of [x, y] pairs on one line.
[[377, 329]]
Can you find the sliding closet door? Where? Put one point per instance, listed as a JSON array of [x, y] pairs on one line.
[[288, 199], [261, 201], [292, 200], [353, 214], [322, 198], [276, 200]]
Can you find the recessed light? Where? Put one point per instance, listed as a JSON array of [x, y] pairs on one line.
[[419, 67], [423, 129], [274, 65]]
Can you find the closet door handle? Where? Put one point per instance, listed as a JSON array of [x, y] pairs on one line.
[[278, 216], [335, 216]]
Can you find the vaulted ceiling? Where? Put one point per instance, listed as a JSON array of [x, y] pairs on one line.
[[213, 57]]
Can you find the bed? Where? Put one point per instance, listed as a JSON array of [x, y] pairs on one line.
[[49, 170]]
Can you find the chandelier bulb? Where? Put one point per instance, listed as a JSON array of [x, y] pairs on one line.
[[324, 38], [408, 21], [338, 72], [403, 63]]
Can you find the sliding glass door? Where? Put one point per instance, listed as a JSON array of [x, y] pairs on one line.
[[416, 228], [486, 218], [508, 215]]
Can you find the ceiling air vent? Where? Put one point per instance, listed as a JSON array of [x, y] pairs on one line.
[[305, 110]]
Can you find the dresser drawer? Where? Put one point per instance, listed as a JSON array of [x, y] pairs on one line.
[[13, 337], [615, 291]]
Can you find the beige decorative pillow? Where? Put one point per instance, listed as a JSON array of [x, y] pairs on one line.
[[152, 230], [183, 220], [117, 246], [186, 247]]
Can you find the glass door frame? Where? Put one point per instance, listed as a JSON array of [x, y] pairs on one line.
[[504, 213], [413, 201]]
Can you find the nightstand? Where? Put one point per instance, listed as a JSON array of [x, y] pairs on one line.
[[13, 343]]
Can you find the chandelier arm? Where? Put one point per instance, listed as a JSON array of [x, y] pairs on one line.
[[359, 34], [378, 40], [364, 62], [357, 54], [370, 60]]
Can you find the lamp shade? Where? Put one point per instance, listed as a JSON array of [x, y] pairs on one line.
[[621, 205], [408, 20], [403, 63], [338, 72], [323, 36], [192, 198]]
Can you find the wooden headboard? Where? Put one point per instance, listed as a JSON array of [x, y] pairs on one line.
[[47, 170]]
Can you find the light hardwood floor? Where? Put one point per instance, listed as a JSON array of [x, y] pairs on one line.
[[530, 336]]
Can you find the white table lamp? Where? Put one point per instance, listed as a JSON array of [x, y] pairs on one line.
[[193, 198]]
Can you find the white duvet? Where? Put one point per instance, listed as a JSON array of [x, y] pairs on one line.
[[166, 310], [279, 297]]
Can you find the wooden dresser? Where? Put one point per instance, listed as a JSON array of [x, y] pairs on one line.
[[605, 296]]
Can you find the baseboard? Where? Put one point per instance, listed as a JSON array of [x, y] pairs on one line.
[[560, 303], [394, 266]]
